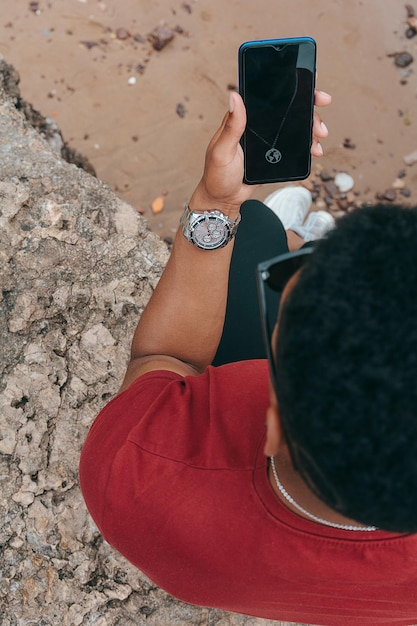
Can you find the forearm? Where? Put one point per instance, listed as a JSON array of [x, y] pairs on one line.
[[184, 318]]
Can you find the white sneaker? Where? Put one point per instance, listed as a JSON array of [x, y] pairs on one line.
[[290, 204], [317, 224]]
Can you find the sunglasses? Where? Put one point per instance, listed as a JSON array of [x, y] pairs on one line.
[[272, 276]]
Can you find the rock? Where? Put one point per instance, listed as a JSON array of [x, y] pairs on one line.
[[122, 34], [403, 59], [406, 193], [398, 183], [331, 188], [161, 36], [77, 267], [412, 22], [410, 10], [325, 176], [389, 195], [411, 158], [180, 109], [157, 205], [347, 143], [344, 182]]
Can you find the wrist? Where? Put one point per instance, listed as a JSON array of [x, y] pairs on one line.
[[201, 201]]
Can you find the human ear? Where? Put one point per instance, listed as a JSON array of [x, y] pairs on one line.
[[272, 433]]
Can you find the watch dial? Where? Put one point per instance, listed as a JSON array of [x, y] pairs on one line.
[[210, 232]]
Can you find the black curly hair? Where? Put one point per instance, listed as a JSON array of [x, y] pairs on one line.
[[346, 359]]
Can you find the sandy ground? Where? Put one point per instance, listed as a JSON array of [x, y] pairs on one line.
[[143, 117]]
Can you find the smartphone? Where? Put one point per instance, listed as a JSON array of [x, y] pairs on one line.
[[276, 82]]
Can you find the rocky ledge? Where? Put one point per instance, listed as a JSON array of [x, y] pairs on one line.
[[77, 267]]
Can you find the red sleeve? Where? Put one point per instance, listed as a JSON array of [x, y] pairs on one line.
[[192, 420]]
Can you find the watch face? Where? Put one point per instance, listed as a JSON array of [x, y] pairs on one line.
[[210, 231]]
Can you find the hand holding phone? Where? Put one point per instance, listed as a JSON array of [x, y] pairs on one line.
[[276, 82]]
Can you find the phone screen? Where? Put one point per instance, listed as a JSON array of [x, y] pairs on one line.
[[276, 81]]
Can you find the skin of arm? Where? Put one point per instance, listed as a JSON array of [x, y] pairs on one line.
[[182, 324]]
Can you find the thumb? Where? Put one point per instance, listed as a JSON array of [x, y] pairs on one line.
[[233, 124]]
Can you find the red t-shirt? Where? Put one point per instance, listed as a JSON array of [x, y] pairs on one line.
[[174, 475]]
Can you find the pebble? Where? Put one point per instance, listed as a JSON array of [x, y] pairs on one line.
[[389, 195], [412, 22], [131, 80], [410, 10], [331, 188], [325, 176], [347, 143], [398, 183], [403, 59], [410, 159], [122, 33], [161, 36], [344, 182], [180, 109], [157, 205]]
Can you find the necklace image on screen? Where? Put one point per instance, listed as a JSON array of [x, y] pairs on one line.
[[273, 155]]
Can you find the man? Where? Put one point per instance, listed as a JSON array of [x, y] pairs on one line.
[[310, 519]]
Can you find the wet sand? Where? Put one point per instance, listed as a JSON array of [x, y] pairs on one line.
[[143, 117]]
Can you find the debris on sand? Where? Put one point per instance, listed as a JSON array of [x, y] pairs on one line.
[[157, 205], [411, 22], [122, 34], [347, 143], [344, 182], [403, 59], [411, 158], [161, 36]]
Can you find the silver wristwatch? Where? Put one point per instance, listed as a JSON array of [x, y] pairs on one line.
[[208, 230]]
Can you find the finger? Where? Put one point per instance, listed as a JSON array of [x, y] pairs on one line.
[[321, 98], [218, 131], [234, 124], [319, 127], [316, 148], [238, 111]]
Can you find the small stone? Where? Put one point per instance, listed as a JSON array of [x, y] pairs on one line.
[[331, 189], [398, 183], [325, 176], [122, 33], [180, 109], [347, 143], [157, 205], [343, 204], [403, 59], [89, 44], [187, 7], [160, 37], [410, 10], [344, 182], [402, 174], [412, 22], [411, 158], [320, 204], [389, 195], [405, 192], [131, 80]]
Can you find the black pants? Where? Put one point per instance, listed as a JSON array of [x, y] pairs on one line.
[[260, 237]]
